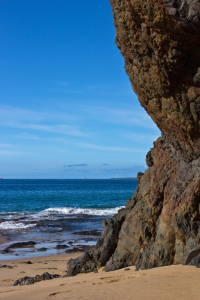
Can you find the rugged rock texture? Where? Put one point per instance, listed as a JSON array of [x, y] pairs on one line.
[[31, 280], [160, 42]]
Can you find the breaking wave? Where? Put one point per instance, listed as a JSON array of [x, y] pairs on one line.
[[79, 211], [13, 225]]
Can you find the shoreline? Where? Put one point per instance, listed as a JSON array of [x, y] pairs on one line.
[[37, 249], [171, 282]]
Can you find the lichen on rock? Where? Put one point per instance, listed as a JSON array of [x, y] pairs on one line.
[[160, 43]]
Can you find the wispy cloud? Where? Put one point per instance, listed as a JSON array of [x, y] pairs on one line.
[[13, 152], [39, 121], [6, 145], [140, 137], [63, 129], [118, 115], [62, 83], [105, 148], [95, 89], [125, 169], [78, 165], [28, 136]]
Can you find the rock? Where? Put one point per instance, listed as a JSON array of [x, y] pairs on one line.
[[42, 249], [79, 248], [22, 245], [59, 247], [74, 249], [155, 255], [89, 232], [5, 251], [139, 176], [162, 71], [83, 264], [31, 280], [6, 266], [97, 256], [149, 159], [107, 242], [195, 261], [160, 225]]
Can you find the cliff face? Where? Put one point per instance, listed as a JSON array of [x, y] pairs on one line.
[[160, 43]]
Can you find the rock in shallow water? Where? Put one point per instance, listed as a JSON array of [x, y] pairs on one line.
[[5, 251], [89, 232], [60, 247], [79, 248], [22, 245], [43, 249]]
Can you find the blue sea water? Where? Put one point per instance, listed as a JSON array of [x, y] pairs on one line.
[[38, 195], [61, 210]]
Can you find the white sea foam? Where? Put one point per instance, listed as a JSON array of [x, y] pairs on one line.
[[14, 225], [78, 211]]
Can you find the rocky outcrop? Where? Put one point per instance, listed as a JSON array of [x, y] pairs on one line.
[[162, 226], [159, 40], [97, 256], [160, 43]]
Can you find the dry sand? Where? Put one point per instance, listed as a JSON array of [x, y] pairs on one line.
[[173, 282]]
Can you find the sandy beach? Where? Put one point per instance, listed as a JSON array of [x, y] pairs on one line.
[[173, 282]]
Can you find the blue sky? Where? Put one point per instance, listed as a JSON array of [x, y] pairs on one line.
[[67, 109]]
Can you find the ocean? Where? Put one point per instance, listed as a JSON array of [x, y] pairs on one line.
[[57, 212]]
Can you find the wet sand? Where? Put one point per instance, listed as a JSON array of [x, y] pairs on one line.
[[173, 282], [3, 239]]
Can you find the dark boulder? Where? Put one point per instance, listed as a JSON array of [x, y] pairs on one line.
[[31, 280], [83, 264], [6, 251], [6, 266], [43, 249], [22, 245], [60, 247]]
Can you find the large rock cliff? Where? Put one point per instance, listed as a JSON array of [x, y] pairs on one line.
[[160, 225]]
